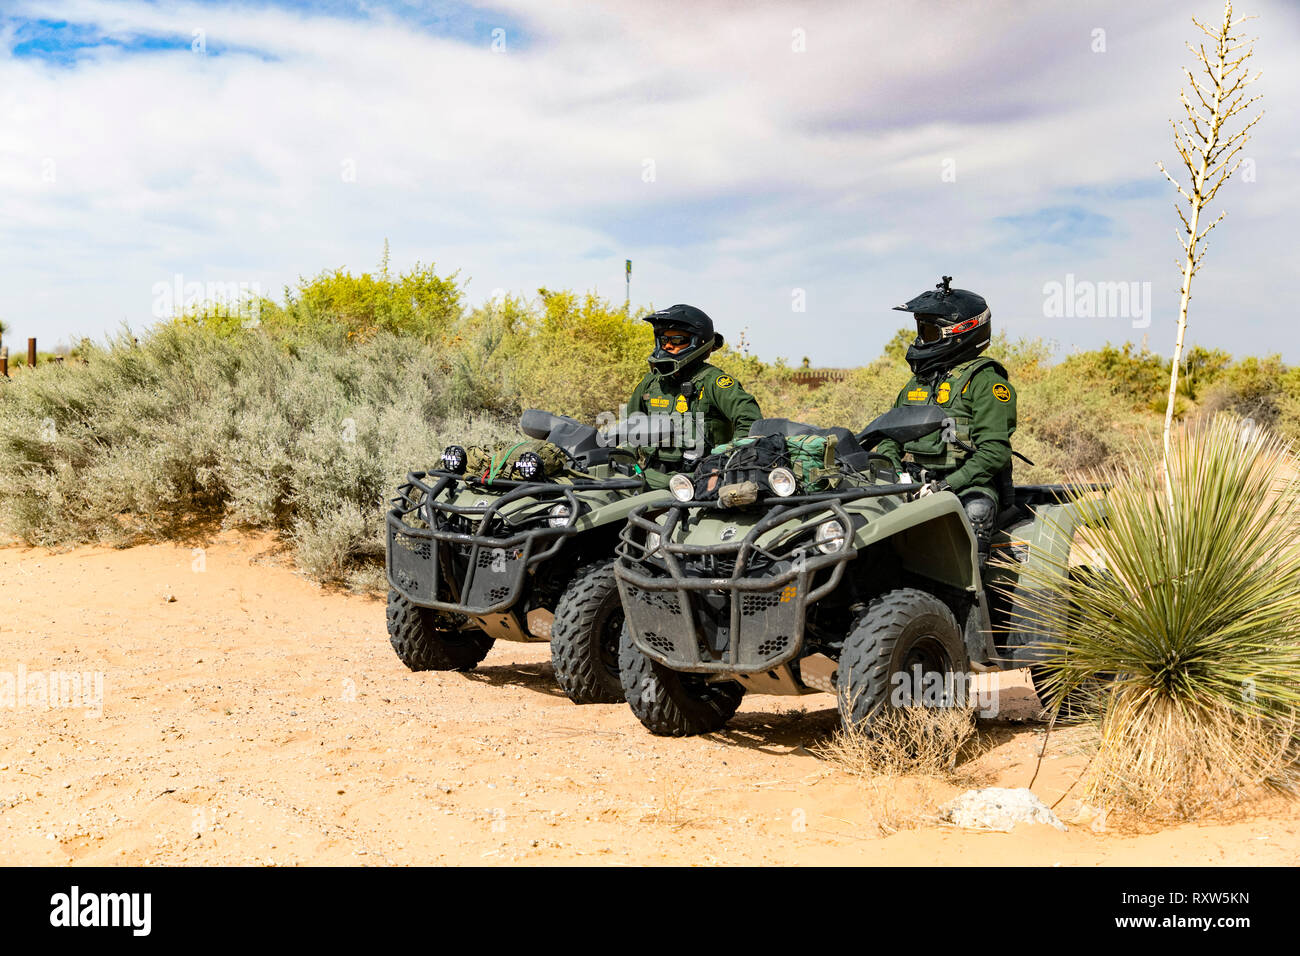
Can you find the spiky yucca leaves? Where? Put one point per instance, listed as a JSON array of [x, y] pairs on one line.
[[1197, 617]]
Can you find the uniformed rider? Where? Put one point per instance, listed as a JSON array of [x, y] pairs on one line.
[[972, 455]]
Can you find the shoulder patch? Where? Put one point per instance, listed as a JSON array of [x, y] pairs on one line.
[[1001, 392], [725, 381]]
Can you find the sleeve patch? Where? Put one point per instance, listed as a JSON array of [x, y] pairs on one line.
[[1001, 392], [725, 381]]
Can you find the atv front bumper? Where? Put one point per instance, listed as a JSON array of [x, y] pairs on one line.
[[468, 559], [744, 623]]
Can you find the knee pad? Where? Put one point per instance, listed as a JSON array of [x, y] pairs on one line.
[[982, 513]]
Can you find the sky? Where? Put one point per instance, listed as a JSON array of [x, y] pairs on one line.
[[795, 170]]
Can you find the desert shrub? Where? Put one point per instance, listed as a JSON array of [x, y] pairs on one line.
[[338, 306], [191, 425], [1070, 426], [1193, 627], [1138, 375], [573, 355], [1260, 389], [866, 393]]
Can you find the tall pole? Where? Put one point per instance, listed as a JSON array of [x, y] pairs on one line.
[[627, 296]]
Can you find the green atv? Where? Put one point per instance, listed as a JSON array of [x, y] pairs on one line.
[[473, 558], [751, 580]]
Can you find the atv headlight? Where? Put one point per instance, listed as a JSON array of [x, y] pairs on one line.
[[652, 542], [781, 481], [529, 465], [454, 459], [830, 536], [558, 516], [682, 487]]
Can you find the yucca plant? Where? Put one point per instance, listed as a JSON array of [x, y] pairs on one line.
[[1185, 645]]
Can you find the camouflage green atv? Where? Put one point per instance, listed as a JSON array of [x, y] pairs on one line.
[[751, 581], [473, 558]]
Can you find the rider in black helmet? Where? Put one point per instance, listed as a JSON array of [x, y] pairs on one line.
[[972, 459], [682, 382]]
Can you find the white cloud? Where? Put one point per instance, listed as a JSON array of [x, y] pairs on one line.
[[774, 169]]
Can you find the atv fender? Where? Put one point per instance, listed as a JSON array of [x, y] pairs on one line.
[[930, 537]]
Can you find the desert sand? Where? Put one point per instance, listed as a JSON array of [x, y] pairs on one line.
[[250, 717]]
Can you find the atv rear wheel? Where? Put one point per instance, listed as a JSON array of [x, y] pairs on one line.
[[670, 703], [900, 631], [584, 636], [427, 640]]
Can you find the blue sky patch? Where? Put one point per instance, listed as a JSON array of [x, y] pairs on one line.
[[1059, 225], [63, 43]]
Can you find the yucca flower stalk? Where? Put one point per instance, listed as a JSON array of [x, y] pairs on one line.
[[1186, 644]]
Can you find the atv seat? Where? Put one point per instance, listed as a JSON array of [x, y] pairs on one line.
[[579, 441]]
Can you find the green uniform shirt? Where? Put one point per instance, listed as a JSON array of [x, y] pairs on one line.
[[982, 404], [727, 409]]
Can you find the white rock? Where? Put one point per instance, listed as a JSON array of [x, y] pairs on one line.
[[998, 808]]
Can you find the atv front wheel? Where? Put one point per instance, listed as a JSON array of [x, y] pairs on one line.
[[906, 649], [427, 640], [670, 703], [584, 636]]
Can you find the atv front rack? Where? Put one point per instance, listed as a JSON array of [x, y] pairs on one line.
[[743, 623], [469, 559]]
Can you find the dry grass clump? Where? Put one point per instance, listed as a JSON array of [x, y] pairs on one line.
[[905, 757]]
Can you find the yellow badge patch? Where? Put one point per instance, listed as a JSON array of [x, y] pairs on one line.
[[725, 381], [918, 395], [659, 402], [1001, 392], [945, 390], [681, 403]]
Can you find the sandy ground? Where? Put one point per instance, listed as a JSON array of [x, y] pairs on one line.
[[250, 717]]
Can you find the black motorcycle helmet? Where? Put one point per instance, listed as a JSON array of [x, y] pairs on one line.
[[691, 321], [952, 326]]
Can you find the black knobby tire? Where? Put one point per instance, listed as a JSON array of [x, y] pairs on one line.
[[670, 703], [584, 636], [426, 640], [899, 630]]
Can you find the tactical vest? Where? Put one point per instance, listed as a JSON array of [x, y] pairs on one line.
[[938, 451], [652, 396]]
